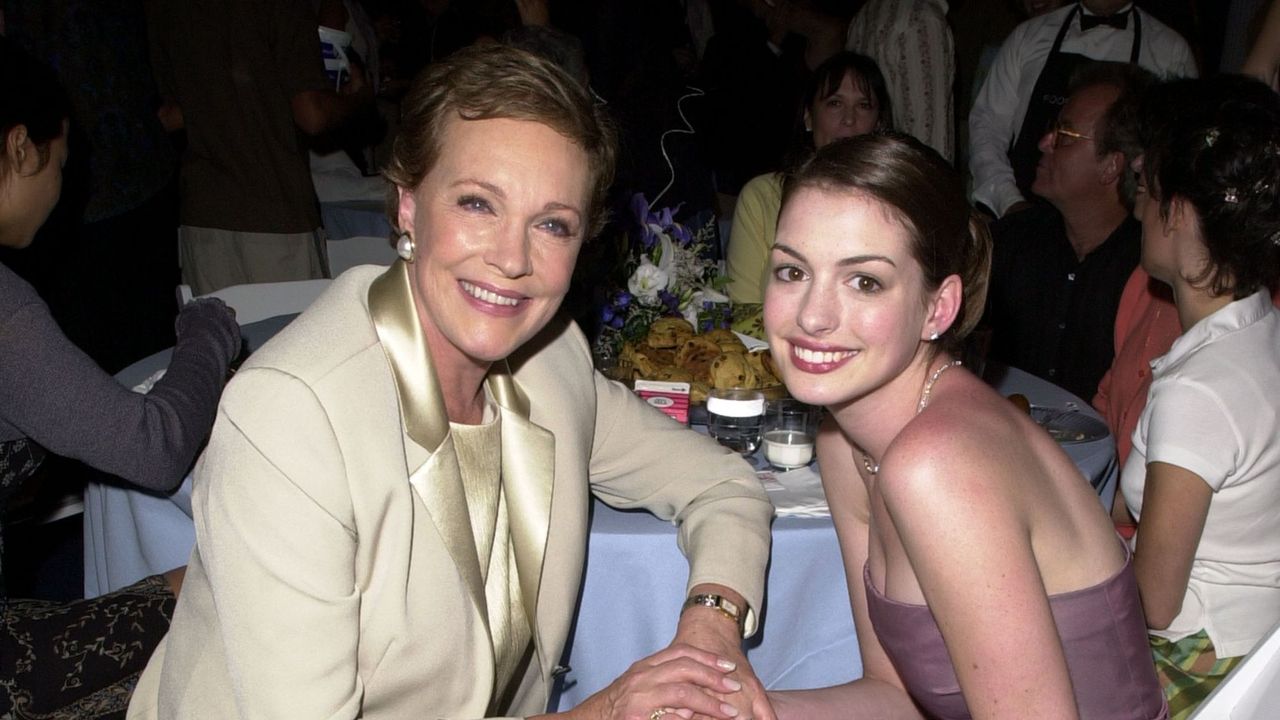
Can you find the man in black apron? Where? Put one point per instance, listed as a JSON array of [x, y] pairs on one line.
[[1051, 86]]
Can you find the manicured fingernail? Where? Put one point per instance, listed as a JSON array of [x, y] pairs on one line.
[[732, 685], [685, 713], [727, 664], [729, 710]]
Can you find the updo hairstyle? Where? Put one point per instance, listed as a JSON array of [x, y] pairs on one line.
[[926, 195], [485, 82], [1215, 143], [33, 98]]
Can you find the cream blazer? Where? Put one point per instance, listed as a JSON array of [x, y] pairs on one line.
[[335, 575]]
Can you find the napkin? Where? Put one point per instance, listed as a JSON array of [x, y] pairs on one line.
[[796, 493], [144, 387]]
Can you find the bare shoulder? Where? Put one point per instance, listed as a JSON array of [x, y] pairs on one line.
[[951, 457]]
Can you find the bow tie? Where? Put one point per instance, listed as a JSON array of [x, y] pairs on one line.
[[1119, 21]]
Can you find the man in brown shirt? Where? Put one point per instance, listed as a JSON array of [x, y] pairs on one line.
[[246, 80]]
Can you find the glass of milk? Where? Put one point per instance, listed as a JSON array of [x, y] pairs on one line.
[[789, 429]]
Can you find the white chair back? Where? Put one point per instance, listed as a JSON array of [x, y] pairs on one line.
[[259, 301], [362, 250], [1252, 690]]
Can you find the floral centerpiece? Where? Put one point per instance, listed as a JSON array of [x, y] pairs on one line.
[[671, 271]]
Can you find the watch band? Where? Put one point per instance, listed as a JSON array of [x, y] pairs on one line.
[[727, 607]]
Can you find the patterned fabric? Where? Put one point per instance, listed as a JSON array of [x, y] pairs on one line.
[[19, 460], [911, 42], [1189, 669], [79, 660]]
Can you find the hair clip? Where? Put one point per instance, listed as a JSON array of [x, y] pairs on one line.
[[1230, 196], [1211, 137]]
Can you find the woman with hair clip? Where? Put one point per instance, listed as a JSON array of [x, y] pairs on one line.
[[392, 512], [985, 577], [846, 97], [1203, 478]]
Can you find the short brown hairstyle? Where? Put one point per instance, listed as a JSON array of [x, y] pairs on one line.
[[927, 196], [497, 81]]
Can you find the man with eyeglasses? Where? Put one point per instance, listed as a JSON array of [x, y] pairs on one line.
[[1058, 268]]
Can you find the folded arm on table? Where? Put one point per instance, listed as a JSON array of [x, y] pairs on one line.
[[642, 459]]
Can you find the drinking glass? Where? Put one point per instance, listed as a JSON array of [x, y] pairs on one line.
[[789, 429], [735, 418]]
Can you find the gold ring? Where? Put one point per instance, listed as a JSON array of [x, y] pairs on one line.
[[658, 713]]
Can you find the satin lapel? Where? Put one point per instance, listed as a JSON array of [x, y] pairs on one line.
[[528, 474], [429, 453]]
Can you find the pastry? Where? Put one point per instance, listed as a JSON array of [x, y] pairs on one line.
[[731, 370], [669, 332]]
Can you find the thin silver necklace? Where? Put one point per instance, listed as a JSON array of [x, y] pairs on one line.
[[873, 468]]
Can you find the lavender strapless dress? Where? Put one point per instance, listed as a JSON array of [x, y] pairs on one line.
[[1104, 636]]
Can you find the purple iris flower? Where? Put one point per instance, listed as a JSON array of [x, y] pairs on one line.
[[671, 302], [640, 208], [648, 237]]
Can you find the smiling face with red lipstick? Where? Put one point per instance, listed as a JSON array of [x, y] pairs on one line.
[[497, 223], [878, 268], [847, 310]]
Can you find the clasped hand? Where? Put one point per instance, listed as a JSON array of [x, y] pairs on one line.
[[702, 674]]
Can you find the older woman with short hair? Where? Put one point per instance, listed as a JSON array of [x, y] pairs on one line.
[[391, 516]]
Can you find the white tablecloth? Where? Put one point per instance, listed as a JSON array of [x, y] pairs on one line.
[[131, 534], [635, 583]]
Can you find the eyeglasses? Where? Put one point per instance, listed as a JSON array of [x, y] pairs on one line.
[[1060, 132]]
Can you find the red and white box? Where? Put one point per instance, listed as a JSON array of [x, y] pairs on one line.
[[671, 398]]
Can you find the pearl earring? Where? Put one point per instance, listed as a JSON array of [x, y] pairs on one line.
[[934, 336], [405, 247]]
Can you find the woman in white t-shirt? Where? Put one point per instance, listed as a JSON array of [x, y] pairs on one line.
[[1204, 475]]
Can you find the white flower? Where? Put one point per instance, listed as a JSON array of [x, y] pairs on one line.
[[647, 281], [709, 295], [690, 314], [689, 308], [666, 254]]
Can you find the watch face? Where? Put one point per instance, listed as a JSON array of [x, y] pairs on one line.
[[726, 606]]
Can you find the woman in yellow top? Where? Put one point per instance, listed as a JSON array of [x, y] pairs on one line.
[[847, 97]]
